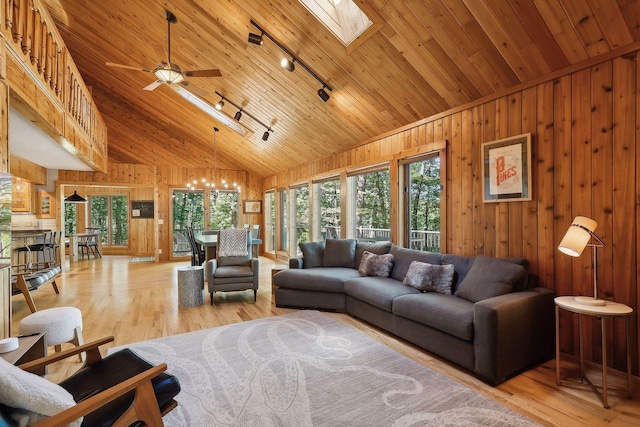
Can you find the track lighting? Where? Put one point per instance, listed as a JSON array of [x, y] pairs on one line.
[[219, 105], [289, 64], [255, 39], [240, 112], [323, 94]]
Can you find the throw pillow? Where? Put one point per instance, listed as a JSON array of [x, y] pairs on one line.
[[375, 265], [429, 277], [488, 278], [374, 248], [339, 253], [312, 254], [40, 398]]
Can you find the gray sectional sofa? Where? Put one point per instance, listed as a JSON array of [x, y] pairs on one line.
[[483, 314]]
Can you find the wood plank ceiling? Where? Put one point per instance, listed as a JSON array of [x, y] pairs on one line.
[[420, 58]]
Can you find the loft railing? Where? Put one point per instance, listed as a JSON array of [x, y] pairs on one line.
[[34, 37]]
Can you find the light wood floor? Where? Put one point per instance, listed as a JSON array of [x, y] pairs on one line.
[[139, 301]]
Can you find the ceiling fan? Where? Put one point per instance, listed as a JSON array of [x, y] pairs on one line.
[[166, 72]]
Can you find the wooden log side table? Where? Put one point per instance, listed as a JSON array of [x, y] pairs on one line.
[[609, 310], [190, 286], [30, 348]]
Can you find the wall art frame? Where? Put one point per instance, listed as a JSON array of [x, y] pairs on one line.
[[506, 169]]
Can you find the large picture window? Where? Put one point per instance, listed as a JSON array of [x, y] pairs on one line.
[[371, 201], [110, 213], [302, 228], [423, 203], [223, 209], [329, 208]]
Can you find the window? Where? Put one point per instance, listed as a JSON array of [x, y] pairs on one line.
[[302, 220], [270, 220], [283, 220], [329, 208], [370, 200], [70, 218], [111, 215], [223, 209], [423, 203], [188, 211]]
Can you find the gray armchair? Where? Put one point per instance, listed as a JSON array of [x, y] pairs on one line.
[[232, 273]]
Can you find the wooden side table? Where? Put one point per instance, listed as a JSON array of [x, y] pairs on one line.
[[29, 348], [610, 309]]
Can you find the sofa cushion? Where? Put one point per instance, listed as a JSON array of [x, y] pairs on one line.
[[339, 253], [461, 266], [312, 254], [374, 248], [430, 278], [523, 283], [446, 313], [376, 265], [402, 258], [377, 291], [326, 279], [488, 278]]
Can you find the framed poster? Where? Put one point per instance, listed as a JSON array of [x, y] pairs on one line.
[[506, 169], [252, 206], [46, 205]]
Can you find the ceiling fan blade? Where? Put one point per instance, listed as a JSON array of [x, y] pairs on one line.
[[203, 73], [153, 85], [128, 67], [194, 89]]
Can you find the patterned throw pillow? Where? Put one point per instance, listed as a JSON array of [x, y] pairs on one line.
[[429, 277], [376, 265]]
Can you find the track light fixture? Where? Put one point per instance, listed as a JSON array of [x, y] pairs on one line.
[[256, 39], [220, 104], [323, 94], [240, 112], [289, 64]]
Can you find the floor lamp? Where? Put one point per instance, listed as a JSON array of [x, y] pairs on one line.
[[577, 237]]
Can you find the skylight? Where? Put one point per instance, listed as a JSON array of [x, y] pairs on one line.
[[342, 17]]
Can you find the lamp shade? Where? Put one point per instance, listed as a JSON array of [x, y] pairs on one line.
[[577, 236], [75, 198]]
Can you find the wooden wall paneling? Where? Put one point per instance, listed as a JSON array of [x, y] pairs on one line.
[[455, 232], [624, 154], [28, 170], [502, 208], [475, 160], [581, 195], [488, 209], [530, 208], [516, 237], [468, 147], [635, 278], [543, 184]]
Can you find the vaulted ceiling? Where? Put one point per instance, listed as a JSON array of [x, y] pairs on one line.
[[419, 58]]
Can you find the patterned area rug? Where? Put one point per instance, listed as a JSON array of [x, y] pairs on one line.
[[142, 259], [307, 369]]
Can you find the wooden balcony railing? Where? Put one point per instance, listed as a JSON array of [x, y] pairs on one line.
[[34, 39]]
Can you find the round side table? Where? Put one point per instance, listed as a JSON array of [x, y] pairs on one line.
[[610, 309]]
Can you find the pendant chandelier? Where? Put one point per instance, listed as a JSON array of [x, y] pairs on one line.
[[204, 183]]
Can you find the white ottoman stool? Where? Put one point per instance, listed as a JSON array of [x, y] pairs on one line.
[[61, 324]]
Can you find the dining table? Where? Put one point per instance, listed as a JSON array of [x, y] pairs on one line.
[[210, 244]]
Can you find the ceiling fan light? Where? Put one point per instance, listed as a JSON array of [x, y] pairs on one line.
[[287, 64], [255, 39], [323, 95], [169, 75]]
